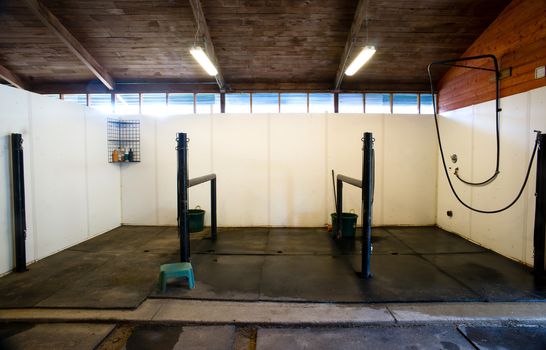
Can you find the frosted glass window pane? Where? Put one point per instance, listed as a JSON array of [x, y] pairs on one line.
[[378, 103], [56, 96], [320, 103], [180, 103], [265, 103], [127, 104], [351, 103], [102, 102], [293, 103], [207, 103], [154, 103], [80, 99], [405, 104], [237, 103], [426, 104]]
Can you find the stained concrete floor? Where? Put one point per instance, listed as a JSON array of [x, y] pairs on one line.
[[230, 337], [120, 269]]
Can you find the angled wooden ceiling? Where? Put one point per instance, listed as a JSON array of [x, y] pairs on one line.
[[259, 44]]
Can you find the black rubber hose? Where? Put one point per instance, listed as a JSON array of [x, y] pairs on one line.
[[497, 118], [445, 165]]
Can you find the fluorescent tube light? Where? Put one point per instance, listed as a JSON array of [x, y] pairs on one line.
[[360, 60], [202, 58]]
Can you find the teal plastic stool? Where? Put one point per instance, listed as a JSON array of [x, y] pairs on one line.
[[176, 270]]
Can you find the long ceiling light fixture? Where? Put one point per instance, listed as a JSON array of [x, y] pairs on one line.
[[204, 60], [360, 60], [364, 55]]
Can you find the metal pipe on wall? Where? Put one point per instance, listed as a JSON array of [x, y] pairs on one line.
[[539, 241], [339, 209], [18, 197], [213, 221]]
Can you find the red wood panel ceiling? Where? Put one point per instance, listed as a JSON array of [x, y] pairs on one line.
[[518, 39]]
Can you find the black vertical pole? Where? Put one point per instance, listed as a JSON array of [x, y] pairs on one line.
[[213, 222], [339, 209], [18, 189], [539, 240], [182, 186], [223, 102], [367, 192], [336, 102]]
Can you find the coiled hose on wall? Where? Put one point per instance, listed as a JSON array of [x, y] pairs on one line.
[[482, 183]]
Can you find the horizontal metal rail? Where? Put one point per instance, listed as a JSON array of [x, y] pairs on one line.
[[350, 180], [201, 179]]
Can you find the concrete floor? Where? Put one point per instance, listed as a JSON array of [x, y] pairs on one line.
[[230, 337], [273, 288]]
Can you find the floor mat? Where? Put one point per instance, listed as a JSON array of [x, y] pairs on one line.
[[120, 269]]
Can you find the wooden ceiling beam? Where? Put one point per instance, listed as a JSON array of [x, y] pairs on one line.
[[12, 78], [52, 22], [209, 47], [360, 16]]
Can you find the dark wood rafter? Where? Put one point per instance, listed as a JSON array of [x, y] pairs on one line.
[[203, 32], [53, 23], [360, 16], [75, 88], [12, 78]]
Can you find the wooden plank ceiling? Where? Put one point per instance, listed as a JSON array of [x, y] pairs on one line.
[[260, 44]]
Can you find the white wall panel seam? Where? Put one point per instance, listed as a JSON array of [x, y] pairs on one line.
[[383, 147], [35, 229], [156, 177], [326, 170], [525, 194], [269, 209], [86, 166]]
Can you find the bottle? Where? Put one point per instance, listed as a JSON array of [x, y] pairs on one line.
[[126, 155], [131, 155], [121, 153], [115, 156]]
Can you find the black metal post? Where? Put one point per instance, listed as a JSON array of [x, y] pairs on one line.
[[182, 187], [539, 241], [339, 209], [223, 102], [213, 222], [18, 189], [367, 192]]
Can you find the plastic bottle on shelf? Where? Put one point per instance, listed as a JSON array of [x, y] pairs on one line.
[[126, 155], [131, 155], [115, 156], [121, 153]]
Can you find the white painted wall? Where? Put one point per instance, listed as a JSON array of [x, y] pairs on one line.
[[72, 193], [470, 133], [274, 169]]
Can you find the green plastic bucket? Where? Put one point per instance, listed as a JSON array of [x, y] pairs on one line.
[[196, 218], [348, 224]]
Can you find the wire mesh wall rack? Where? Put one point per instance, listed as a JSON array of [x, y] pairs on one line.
[[123, 141]]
